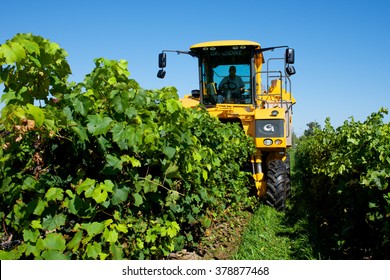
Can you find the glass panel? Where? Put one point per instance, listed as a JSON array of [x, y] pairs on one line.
[[226, 76], [233, 83]]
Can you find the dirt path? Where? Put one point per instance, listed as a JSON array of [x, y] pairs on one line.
[[220, 241]]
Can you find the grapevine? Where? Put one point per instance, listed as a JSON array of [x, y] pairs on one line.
[[344, 177], [104, 169]]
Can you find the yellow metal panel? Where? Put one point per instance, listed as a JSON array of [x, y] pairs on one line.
[[225, 43], [189, 102], [264, 114]]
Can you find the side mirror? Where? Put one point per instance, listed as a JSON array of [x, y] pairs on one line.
[[290, 70], [290, 56], [162, 60], [161, 74]]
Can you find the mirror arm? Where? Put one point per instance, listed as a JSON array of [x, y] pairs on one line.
[[269, 49], [181, 52]]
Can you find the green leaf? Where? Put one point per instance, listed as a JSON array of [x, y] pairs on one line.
[[191, 219], [33, 249], [205, 175], [111, 235], [197, 156], [120, 195], [195, 210], [108, 185], [54, 194], [117, 252], [53, 255], [86, 185], [41, 205], [353, 141], [94, 228], [150, 186], [150, 237], [29, 235], [122, 68], [112, 80], [81, 208], [134, 162], [122, 228], [131, 112], [10, 95], [93, 250], [206, 222], [36, 113], [118, 132], [54, 241], [137, 199], [74, 244], [52, 223], [82, 105], [100, 193], [36, 224], [12, 53], [172, 105], [169, 152], [172, 171], [29, 183], [121, 102], [140, 243], [104, 144], [98, 125], [14, 254], [173, 229], [173, 195], [113, 162], [30, 46], [50, 125]]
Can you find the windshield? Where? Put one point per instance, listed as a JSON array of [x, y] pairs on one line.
[[226, 76]]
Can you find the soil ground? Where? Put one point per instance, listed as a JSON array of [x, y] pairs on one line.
[[220, 241]]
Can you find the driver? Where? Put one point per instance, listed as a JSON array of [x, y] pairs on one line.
[[232, 83]]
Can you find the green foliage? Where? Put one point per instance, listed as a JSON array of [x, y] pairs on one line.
[[104, 169], [27, 56], [344, 177]]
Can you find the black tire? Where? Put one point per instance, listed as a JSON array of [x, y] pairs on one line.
[[276, 185], [288, 180]]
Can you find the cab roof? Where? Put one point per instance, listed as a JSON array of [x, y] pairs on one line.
[[227, 43]]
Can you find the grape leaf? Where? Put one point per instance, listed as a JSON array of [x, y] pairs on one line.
[[120, 195], [54, 241], [137, 199], [36, 113], [98, 124], [51, 223]]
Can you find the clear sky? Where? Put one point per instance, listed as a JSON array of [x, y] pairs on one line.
[[341, 47]]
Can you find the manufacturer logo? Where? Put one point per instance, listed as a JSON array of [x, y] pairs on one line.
[[269, 127]]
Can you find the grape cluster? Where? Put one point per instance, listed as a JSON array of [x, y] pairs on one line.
[[8, 244]]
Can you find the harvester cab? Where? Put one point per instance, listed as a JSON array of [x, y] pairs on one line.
[[237, 84]]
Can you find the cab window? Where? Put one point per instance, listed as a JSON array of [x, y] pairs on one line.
[[220, 83]]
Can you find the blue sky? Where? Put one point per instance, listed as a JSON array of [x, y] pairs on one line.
[[341, 47]]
